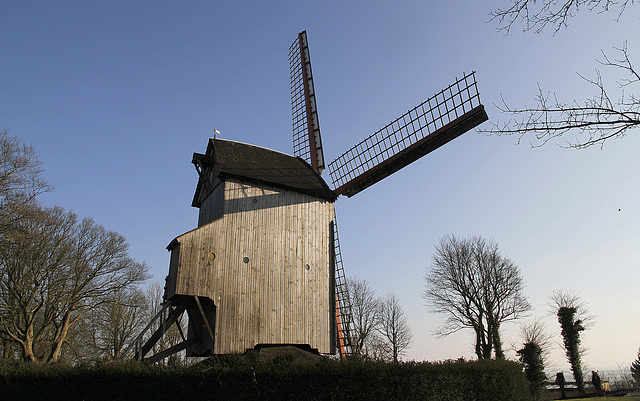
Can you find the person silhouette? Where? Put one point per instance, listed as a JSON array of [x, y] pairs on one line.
[[560, 382], [597, 383]]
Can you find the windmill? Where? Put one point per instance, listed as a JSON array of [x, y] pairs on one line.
[[264, 266]]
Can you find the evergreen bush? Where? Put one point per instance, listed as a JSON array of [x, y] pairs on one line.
[[531, 358], [635, 369]]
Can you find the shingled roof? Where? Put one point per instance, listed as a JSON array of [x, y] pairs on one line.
[[264, 166]]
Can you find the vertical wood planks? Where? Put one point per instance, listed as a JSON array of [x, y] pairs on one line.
[[270, 297]]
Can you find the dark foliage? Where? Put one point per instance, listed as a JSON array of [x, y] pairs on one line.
[[531, 358], [571, 329], [635, 369], [243, 378]]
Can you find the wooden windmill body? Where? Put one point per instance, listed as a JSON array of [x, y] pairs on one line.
[[262, 251], [264, 265]]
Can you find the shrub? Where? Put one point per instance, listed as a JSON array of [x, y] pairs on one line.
[[533, 361], [234, 377], [635, 369]]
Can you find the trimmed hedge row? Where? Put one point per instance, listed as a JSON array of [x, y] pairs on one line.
[[234, 378]]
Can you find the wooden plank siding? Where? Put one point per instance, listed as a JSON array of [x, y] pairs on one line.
[[271, 297], [212, 207]]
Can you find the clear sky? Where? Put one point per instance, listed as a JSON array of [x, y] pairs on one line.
[[117, 95]]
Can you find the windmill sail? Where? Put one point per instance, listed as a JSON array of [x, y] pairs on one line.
[[436, 121], [307, 143]]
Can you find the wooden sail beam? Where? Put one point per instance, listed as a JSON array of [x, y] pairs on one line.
[[307, 142], [436, 121], [313, 128], [414, 152]]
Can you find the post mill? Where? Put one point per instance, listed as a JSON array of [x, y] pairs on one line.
[[264, 266]]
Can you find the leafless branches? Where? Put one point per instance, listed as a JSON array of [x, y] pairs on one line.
[[570, 299], [54, 270], [113, 325], [365, 310], [21, 179], [29, 281], [475, 287], [394, 328], [536, 16], [595, 121], [535, 332], [380, 327]]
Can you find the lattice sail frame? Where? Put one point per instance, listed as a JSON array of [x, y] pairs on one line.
[[431, 124], [307, 142]]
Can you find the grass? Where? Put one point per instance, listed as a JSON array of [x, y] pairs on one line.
[[609, 399]]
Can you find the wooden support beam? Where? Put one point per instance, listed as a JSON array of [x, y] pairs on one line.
[[173, 316], [204, 317], [172, 350], [136, 343]]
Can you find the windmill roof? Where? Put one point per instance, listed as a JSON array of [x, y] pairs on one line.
[[262, 165]]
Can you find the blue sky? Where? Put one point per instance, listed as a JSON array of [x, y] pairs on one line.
[[116, 96]]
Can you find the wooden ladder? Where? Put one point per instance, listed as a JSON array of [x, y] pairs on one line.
[[344, 319]]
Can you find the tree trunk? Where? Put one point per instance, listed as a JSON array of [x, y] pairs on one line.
[[478, 343], [59, 339], [27, 346], [395, 351], [497, 343], [486, 351], [27, 342], [487, 339], [571, 329]]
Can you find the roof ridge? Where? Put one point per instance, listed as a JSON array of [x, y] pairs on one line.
[[257, 146]]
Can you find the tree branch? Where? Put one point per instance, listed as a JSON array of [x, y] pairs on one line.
[[536, 16], [594, 122]]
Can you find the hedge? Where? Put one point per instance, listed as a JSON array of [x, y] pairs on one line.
[[235, 378]]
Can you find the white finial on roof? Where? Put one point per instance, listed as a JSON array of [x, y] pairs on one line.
[[215, 132]]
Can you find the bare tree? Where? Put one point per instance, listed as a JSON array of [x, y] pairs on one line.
[[365, 310], [377, 348], [97, 268], [573, 317], [393, 327], [115, 323], [106, 330], [8, 347], [175, 334], [29, 261], [53, 271], [475, 287], [596, 119], [21, 180], [536, 332]]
